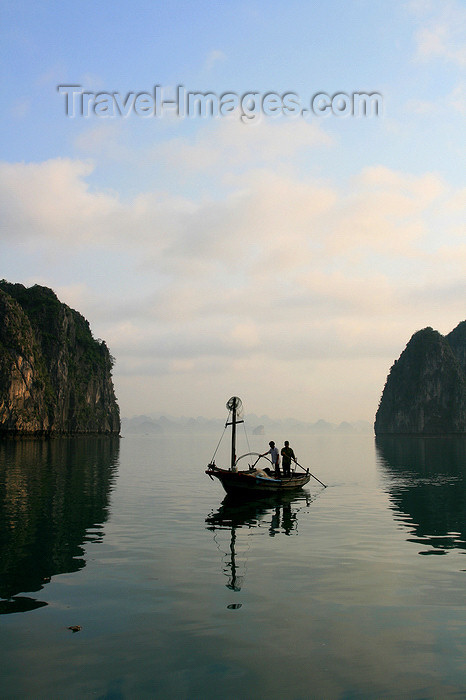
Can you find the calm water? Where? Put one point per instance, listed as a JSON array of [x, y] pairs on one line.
[[354, 591]]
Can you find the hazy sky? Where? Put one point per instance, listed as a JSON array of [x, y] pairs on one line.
[[283, 258]]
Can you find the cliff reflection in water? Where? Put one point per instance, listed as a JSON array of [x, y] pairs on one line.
[[54, 497], [241, 519], [427, 483]]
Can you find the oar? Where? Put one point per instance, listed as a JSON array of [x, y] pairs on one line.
[[308, 472]]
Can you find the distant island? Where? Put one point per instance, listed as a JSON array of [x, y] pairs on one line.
[[55, 378], [425, 391], [257, 425]]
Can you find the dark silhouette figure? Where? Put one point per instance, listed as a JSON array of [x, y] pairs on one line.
[[287, 455]]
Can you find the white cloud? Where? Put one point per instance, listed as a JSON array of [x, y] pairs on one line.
[[457, 99], [245, 334], [454, 102], [229, 146], [21, 107], [52, 199], [278, 275], [214, 58], [441, 31], [421, 107]]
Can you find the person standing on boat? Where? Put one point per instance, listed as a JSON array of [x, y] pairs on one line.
[[287, 455], [274, 456]]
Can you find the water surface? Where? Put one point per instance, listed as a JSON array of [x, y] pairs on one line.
[[353, 591]]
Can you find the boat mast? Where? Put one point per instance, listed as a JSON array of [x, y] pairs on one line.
[[234, 405], [233, 438]]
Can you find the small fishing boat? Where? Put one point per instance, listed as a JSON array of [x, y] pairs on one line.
[[253, 480]]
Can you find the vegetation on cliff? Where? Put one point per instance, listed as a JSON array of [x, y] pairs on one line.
[[425, 391], [55, 378]]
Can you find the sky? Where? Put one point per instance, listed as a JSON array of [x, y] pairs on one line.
[[286, 258]]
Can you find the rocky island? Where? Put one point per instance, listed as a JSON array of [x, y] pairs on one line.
[[425, 391], [55, 378]]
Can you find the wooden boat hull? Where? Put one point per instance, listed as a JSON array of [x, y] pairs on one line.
[[247, 482]]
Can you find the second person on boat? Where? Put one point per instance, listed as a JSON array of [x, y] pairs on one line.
[[274, 457]]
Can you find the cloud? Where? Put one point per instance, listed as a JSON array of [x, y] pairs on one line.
[[441, 31], [53, 200], [214, 58], [454, 102], [421, 107], [21, 107], [276, 274], [270, 232], [457, 99], [232, 146], [106, 140]]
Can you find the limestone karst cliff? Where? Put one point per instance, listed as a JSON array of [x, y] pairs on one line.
[[425, 392], [457, 341], [55, 378]]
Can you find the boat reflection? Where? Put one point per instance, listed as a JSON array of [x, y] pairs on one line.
[[426, 480], [272, 516], [54, 497]]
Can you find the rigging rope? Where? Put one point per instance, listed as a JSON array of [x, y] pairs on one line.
[[221, 437], [247, 439]]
